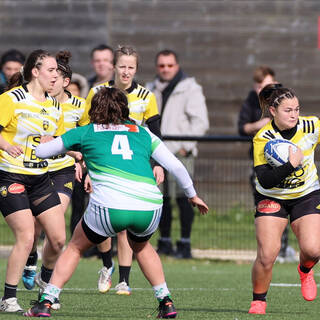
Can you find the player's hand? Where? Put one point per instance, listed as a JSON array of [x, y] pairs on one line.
[[78, 155], [158, 174], [196, 201], [295, 157], [88, 184], [78, 172], [44, 139], [14, 151]]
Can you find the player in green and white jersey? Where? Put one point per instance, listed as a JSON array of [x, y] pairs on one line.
[[125, 194]]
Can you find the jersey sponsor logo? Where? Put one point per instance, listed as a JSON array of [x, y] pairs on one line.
[[317, 207], [16, 188], [132, 127], [69, 185], [268, 206], [118, 127], [3, 191]]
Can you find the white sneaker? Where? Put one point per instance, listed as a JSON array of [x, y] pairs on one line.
[[56, 305], [104, 282], [10, 305], [123, 289]]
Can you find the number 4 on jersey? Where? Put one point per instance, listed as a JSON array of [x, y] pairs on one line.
[[120, 145]]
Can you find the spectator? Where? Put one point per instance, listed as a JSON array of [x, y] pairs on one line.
[[102, 64], [11, 62], [249, 123], [183, 112]]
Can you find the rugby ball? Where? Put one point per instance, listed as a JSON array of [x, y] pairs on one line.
[[276, 151]]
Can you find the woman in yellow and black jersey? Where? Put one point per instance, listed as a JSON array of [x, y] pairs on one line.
[[290, 190], [144, 111], [27, 114], [61, 168]]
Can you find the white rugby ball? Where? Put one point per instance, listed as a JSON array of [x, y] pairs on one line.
[[276, 151]]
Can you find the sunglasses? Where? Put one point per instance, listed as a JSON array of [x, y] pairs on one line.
[[161, 66]]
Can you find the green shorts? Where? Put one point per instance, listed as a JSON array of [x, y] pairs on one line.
[[107, 222]]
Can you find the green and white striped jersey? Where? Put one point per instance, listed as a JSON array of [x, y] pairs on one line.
[[118, 161]]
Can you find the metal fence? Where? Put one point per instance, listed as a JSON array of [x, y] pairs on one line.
[[221, 177]]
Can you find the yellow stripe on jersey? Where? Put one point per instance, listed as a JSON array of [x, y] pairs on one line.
[[141, 102], [300, 182], [74, 112], [24, 120]]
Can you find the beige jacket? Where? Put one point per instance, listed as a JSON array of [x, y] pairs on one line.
[[185, 113]]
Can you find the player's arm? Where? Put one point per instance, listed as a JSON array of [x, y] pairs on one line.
[[166, 159], [7, 113], [12, 150], [153, 124], [51, 148], [270, 177]]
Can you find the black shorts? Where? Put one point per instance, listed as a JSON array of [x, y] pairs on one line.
[[24, 191], [295, 208], [63, 180]]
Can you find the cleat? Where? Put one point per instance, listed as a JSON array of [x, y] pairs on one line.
[[123, 289], [166, 309], [56, 305], [104, 282], [10, 305], [28, 276], [258, 307], [308, 285], [40, 309]]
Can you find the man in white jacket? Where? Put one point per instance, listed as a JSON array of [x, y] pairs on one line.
[[183, 112]]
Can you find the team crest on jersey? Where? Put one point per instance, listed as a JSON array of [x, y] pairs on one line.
[[45, 125], [16, 188], [268, 206], [3, 191]]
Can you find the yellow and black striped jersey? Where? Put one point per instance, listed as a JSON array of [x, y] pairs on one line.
[[303, 180], [141, 102], [74, 114], [24, 120]]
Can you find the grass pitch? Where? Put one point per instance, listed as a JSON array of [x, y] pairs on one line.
[[201, 289]]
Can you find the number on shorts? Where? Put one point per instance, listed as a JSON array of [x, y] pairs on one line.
[[120, 145]]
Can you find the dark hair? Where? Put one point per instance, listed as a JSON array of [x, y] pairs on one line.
[[125, 50], [261, 72], [109, 105], [100, 47], [12, 55], [272, 95], [34, 60], [167, 52], [63, 58]]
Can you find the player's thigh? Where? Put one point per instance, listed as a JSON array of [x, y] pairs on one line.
[[22, 224], [268, 234], [307, 231], [53, 223]]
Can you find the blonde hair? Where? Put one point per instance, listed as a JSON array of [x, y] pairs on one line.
[[125, 50]]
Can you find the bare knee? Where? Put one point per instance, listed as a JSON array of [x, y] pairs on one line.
[[25, 241], [311, 253], [57, 244]]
